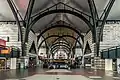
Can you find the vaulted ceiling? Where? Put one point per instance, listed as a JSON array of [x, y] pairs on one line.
[[77, 23], [6, 14]]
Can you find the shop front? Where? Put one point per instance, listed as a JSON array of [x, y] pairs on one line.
[[8, 57], [111, 57]]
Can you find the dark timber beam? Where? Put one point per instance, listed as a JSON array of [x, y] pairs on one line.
[[59, 37], [75, 42], [18, 23], [95, 9], [62, 39], [16, 17], [94, 15], [48, 25], [73, 50], [57, 49], [48, 12], [47, 47], [29, 11], [57, 26], [106, 15], [63, 46], [60, 43], [100, 31], [28, 17], [60, 11]]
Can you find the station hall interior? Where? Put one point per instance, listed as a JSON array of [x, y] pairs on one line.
[[59, 39]]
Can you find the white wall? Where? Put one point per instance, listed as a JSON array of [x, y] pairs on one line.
[[42, 50], [78, 52], [11, 31], [40, 40], [62, 53], [111, 36], [32, 37], [88, 38]]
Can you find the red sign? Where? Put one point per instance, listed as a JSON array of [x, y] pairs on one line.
[[2, 42]]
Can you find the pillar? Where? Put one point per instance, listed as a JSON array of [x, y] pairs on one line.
[[97, 62], [13, 63], [94, 66]]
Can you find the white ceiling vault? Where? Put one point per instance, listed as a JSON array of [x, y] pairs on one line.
[[6, 14]]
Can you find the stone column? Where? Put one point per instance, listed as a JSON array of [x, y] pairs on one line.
[[98, 62]]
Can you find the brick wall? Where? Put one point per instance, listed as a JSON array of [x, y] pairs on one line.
[[10, 31], [88, 38], [111, 37]]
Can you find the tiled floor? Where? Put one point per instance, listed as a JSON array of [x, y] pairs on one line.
[[57, 74]]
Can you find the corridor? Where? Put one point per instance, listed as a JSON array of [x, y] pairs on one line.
[[59, 40], [58, 74]]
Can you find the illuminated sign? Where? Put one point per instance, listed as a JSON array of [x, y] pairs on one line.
[[5, 51]]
